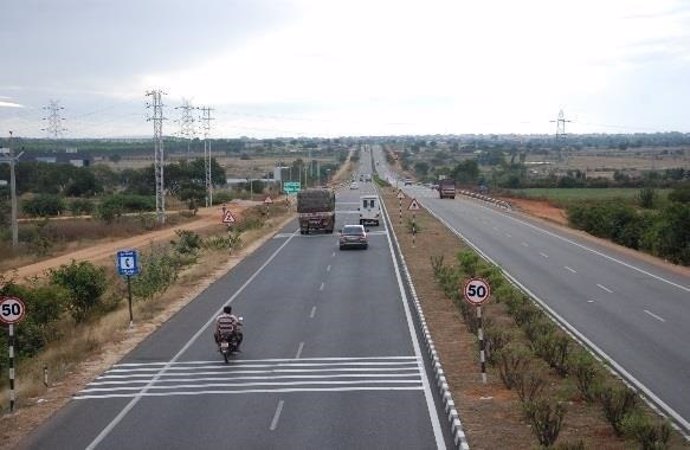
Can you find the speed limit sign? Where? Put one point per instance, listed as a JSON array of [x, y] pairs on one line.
[[476, 291], [12, 310]]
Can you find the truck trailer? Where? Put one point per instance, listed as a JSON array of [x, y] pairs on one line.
[[316, 210], [446, 188]]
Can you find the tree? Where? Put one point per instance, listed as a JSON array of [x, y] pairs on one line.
[[85, 283]]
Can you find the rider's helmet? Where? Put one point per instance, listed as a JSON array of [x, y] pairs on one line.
[[227, 309]]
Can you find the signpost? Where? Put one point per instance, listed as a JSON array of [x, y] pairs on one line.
[[128, 266], [268, 201], [476, 291], [12, 310], [400, 196], [228, 218], [414, 206]]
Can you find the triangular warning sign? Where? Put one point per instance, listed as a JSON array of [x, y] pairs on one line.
[[414, 206], [268, 200], [401, 195], [228, 217]]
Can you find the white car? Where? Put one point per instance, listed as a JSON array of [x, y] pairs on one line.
[[354, 185]]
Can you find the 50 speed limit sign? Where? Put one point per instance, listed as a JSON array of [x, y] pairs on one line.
[[12, 310], [476, 291]]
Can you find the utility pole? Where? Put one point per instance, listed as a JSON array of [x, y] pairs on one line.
[[206, 119], [187, 127], [54, 127], [158, 156], [11, 159]]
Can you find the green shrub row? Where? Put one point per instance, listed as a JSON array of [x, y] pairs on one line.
[[515, 362]]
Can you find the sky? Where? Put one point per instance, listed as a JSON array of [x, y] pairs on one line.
[[324, 68]]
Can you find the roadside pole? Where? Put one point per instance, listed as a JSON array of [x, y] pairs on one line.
[[400, 196], [12, 310], [476, 291], [414, 206], [128, 266]]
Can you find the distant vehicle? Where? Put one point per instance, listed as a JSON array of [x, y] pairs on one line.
[[316, 210], [446, 188], [407, 182], [369, 210], [354, 185], [367, 177], [353, 236]]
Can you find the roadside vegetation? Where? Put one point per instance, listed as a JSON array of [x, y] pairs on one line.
[[544, 390]]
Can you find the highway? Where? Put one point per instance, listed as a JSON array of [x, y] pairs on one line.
[[330, 359], [633, 313]]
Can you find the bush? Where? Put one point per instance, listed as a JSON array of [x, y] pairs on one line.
[[529, 385], [81, 206], [495, 339], [546, 419], [617, 403], [224, 242], [587, 375], [555, 353], [159, 270], [85, 284], [189, 242], [513, 362], [651, 436], [469, 262], [44, 205]]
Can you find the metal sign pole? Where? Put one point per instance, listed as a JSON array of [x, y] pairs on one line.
[[480, 333], [414, 229], [11, 368], [400, 204], [129, 296]]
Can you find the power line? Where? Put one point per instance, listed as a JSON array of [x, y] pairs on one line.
[[187, 123]]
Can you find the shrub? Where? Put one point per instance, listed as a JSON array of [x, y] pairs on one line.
[[651, 436], [495, 339], [80, 206], [189, 242], [85, 284], [159, 269], [224, 242], [546, 419], [469, 262], [587, 375], [528, 385], [44, 205], [617, 402], [513, 361], [413, 226], [555, 353]]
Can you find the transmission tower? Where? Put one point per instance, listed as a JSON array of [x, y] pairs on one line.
[[560, 125], [54, 120], [206, 126], [187, 123], [560, 132], [157, 120]]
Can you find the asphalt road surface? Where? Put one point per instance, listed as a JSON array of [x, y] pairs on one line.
[[330, 360], [633, 313]]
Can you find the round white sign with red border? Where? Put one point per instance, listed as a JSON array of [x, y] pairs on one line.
[[476, 291], [12, 310]]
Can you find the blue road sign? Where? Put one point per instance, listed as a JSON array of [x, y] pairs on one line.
[[127, 263]]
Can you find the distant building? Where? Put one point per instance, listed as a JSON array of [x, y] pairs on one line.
[[73, 158]]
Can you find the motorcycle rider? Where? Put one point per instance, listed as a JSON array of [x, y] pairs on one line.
[[228, 323]]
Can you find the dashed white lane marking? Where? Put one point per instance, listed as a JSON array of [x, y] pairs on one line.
[[328, 269], [590, 301], [313, 312], [601, 286], [322, 286], [332, 254], [299, 350], [544, 255], [276, 416], [659, 318], [570, 269]]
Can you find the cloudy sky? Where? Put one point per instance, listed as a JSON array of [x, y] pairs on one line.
[[356, 67]]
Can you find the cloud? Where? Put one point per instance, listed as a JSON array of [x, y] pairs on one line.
[[4, 104]]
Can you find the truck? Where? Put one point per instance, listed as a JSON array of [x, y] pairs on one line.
[[316, 210], [446, 188], [369, 210]]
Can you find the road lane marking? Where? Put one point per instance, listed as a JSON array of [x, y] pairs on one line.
[[570, 269], [659, 318], [322, 285], [299, 350], [332, 254], [590, 301], [508, 235], [601, 286], [313, 312], [544, 255], [328, 269], [524, 244], [276, 416], [132, 403]]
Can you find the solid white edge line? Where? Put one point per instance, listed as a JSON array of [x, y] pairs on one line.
[[430, 402], [104, 433], [655, 402]]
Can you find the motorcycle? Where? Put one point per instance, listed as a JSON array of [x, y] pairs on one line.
[[229, 342]]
